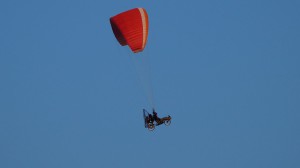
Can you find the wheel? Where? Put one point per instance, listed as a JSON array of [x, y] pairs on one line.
[[167, 122], [151, 127]]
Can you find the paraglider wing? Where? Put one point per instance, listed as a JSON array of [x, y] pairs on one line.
[[131, 28]]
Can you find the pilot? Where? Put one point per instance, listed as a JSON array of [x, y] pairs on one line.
[[155, 117], [150, 118]]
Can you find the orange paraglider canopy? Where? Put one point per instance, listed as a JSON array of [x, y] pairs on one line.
[[131, 28]]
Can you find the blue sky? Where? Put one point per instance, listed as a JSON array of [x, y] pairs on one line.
[[226, 71]]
